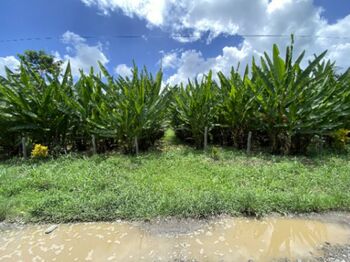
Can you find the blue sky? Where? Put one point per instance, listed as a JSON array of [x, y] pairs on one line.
[[213, 32]]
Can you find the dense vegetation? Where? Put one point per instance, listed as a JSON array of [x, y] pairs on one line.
[[283, 105], [286, 106]]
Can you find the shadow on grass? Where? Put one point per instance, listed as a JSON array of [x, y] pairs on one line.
[[170, 143]]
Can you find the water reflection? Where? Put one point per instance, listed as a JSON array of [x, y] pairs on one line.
[[224, 240]]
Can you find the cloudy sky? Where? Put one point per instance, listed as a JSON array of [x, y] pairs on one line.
[[189, 37]]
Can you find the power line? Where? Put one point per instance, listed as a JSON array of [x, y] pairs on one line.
[[139, 36], [59, 38], [298, 36]]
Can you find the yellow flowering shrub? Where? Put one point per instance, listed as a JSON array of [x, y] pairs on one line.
[[40, 151]]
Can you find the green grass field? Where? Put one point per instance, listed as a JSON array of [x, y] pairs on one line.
[[177, 181]]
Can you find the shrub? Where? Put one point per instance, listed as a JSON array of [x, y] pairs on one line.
[[215, 153], [40, 151], [33, 106], [340, 138], [194, 109], [237, 108], [294, 103], [133, 110]]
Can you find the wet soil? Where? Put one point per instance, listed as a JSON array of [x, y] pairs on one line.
[[312, 237]]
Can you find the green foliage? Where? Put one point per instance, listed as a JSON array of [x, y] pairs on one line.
[[8, 140], [40, 62], [3, 209], [194, 107], [236, 108], [33, 107], [340, 139], [295, 103], [215, 153], [282, 101], [55, 111], [134, 110], [86, 96]]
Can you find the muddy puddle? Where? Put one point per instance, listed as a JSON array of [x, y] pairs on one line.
[[234, 239]]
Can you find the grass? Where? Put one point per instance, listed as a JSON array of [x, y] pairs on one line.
[[179, 181]]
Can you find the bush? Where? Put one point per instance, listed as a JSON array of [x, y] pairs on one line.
[[236, 109], [33, 106], [194, 109], [294, 103], [133, 110], [339, 139], [40, 151]]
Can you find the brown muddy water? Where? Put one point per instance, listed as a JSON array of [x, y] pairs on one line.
[[227, 239]]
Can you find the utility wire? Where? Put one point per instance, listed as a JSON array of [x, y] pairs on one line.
[[138, 36]]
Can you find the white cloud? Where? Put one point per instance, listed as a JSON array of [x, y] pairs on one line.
[[338, 44], [170, 60], [189, 20], [277, 17], [8, 61], [191, 63], [123, 70], [216, 17], [152, 10], [81, 55], [72, 38]]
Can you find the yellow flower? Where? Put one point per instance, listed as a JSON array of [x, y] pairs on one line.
[[40, 151]]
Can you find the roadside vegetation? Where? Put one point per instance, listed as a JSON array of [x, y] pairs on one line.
[[292, 120], [285, 106], [176, 181]]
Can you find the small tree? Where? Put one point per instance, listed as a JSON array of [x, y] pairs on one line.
[[40, 62]]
